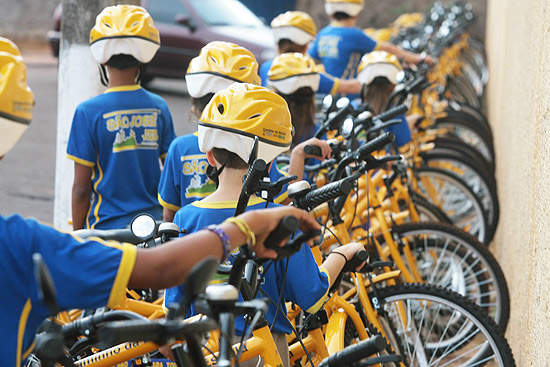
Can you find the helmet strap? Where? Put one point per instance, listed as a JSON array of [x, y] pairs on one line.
[[103, 75], [213, 173]]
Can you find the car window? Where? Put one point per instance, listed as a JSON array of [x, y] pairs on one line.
[[165, 11], [225, 13]]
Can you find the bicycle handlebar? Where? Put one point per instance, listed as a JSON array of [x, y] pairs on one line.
[[287, 226], [375, 144], [391, 113], [322, 195], [355, 352], [313, 150], [120, 235]]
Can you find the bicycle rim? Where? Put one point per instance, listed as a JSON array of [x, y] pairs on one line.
[[437, 327], [453, 260], [456, 199]]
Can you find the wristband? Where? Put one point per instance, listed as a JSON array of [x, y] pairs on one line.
[[245, 229], [224, 238]]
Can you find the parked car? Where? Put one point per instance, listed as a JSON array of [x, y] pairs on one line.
[[185, 26]]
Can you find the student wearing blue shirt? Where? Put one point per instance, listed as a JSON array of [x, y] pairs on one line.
[[117, 138], [227, 129], [378, 71], [93, 273], [292, 32], [340, 45]]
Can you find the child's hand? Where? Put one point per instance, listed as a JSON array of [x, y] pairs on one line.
[[263, 222], [326, 150]]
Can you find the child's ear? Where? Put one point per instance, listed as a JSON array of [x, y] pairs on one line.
[[211, 159]]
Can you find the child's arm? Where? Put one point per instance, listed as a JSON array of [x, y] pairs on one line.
[[298, 156], [335, 260], [405, 55], [82, 189]]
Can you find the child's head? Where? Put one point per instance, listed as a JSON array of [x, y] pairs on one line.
[[378, 70], [235, 116], [16, 98], [343, 9], [218, 65], [123, 37], [293, 31], [296, 78]]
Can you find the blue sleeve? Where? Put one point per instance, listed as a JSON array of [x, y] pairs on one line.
[[362, 42], [169, 184], [264, 69], [326, 84], [306, 284], [401, 131], [82, 146]]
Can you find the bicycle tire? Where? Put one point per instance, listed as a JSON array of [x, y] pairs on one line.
[[454, 144], [466, 117], [427, 210], [483, 280], [462, 90], [474, 113], [476, 177], [456, 199], [442, 328], [469, 131]]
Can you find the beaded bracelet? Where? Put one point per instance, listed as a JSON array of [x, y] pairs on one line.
[[244, 228], [224, 238]]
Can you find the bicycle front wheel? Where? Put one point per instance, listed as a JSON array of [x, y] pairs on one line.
[[436, 327]]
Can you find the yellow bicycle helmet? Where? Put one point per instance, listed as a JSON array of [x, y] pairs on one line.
[[16, 98], [8, 46], [219, 65], [292, 71], [408, 20], [124, 29], [378, 64], [237, 114], [350, 7], [296, 26]]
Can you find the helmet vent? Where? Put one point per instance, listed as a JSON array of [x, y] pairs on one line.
[[254, 116], [243, 67], [221, 108], [107, 25], [213, 59], [135, 23]]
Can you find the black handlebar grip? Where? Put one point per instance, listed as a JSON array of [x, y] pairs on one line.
[[250, 184], [359, 257], [313, 150], [416, 83], [375, 144], [131, 331], [392, 112], [334, 122], [355, 352], [287, 226], [324, 194]]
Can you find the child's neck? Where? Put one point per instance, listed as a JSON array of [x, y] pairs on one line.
[[119, 78], [229, 188], [349, 22]]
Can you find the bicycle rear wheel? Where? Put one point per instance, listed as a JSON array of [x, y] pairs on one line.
[[436, 327]]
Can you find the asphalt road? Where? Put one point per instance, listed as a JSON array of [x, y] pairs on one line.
[[27, 173]]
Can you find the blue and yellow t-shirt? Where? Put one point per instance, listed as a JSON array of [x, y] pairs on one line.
[[184, 180], [121, 135], [340, 49], [86, 274], [306, 283]]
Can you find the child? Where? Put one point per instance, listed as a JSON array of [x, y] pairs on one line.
[[117, 138], [378, 71], [87, 274], [340, 45], [293, 31], [227, 128]]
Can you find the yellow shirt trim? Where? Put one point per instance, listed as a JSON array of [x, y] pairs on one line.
[[167, 205], [21, 329], [335, 86], [196, 133], [129, 253], [377, 47], [317, 306], [192, 156], [124, 88], [225, 204], [80, 161], [99, 198], [282, 197]]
